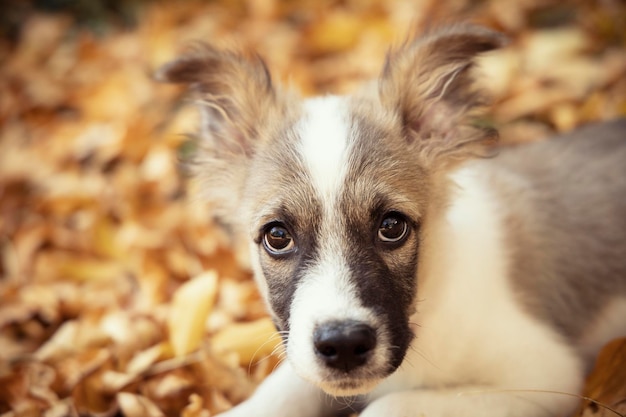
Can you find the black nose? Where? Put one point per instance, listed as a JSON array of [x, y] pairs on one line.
[[344, 345]]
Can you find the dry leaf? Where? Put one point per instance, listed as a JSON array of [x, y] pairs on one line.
[[133, 405], [190, 308], [195, 408]]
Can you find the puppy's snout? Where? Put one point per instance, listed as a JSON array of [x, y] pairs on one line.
[[344, 345]]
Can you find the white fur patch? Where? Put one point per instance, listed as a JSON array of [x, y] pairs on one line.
[[324, 134], [326, 292]]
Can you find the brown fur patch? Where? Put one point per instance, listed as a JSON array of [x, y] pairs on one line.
[[566, 223]]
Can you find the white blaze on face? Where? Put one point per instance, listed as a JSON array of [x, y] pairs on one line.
[[324, 131], [325, 292]]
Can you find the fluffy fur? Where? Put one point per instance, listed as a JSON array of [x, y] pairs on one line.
[[456, 285]]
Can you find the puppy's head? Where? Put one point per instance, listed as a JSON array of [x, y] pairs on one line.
[[331, 192]]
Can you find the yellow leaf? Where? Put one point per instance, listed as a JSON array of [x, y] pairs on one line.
[[137, 406], [190, 308], [195, 407], [338, 32], [75, 268]]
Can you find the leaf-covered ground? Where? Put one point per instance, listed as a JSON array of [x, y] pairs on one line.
[[118, 295]]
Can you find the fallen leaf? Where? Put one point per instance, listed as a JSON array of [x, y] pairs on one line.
[[190, 308], [133, 405]]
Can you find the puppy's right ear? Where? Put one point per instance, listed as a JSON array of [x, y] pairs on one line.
[[237, 101]]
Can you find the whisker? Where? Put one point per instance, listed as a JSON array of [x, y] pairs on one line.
[[278, 350], [426, 358], [278, 363], [271, 338]]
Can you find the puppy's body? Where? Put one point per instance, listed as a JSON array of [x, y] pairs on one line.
[[399, 270], [514, 301]]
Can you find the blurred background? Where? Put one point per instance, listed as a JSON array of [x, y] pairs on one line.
[[118, 295]]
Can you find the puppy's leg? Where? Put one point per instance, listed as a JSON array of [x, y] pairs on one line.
[[471, 401], [536, 376], [284, 394]]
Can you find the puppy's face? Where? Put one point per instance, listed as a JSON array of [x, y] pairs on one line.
[[331, 193], [335, 206]]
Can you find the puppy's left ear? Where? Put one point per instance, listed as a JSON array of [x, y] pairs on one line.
[[428, 84]]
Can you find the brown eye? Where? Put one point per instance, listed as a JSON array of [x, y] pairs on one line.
[[393, 228], [277, 240]]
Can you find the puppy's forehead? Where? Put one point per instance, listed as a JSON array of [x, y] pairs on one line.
[[353, 154], [323, 132], [340, 154]]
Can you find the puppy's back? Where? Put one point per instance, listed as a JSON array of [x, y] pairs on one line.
[[564, 203]]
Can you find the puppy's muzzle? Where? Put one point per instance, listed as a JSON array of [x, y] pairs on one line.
[[344, 345]]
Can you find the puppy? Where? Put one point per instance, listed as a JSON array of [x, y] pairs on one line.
[[408, 275]]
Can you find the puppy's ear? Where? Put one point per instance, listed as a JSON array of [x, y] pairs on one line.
[[238, 102], [428, 83], [234, 93]]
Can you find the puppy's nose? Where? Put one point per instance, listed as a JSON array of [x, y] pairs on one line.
[[344, 345]]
